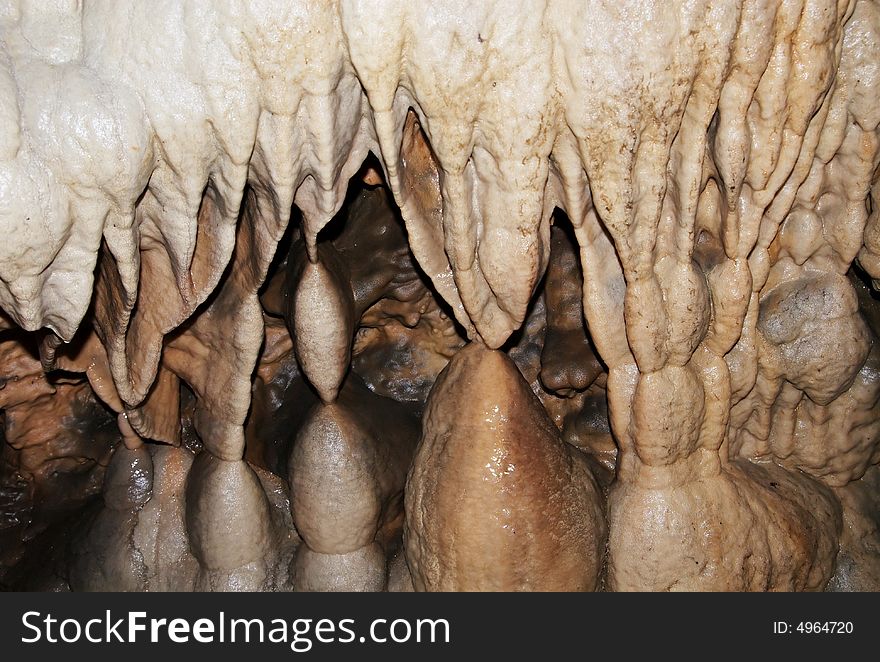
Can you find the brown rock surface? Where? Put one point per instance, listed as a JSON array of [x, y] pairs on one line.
[[495, 500]]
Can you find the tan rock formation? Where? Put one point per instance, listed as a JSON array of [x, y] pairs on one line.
[[698, 324]]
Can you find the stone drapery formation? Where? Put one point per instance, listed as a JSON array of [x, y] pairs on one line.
[[662, 212]]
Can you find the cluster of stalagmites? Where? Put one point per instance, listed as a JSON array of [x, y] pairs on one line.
[[621, 337]]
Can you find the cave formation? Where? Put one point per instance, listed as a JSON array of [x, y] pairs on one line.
[[402, 295]]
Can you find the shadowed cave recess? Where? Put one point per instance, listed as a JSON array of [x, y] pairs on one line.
[[404, 295]]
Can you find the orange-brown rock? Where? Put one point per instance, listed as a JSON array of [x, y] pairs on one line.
[[495, 500]]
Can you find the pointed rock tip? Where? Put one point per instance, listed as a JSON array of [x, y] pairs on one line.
[[479, 372]]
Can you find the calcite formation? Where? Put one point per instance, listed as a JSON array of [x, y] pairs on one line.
[[412, 295]]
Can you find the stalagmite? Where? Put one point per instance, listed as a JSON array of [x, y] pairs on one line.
[[128, 485], [347, 472], [495, 500], [631, 249]]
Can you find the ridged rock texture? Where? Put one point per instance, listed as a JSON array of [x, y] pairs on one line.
[[635, 239]]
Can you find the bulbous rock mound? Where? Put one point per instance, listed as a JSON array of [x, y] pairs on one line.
[[495, 500]]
